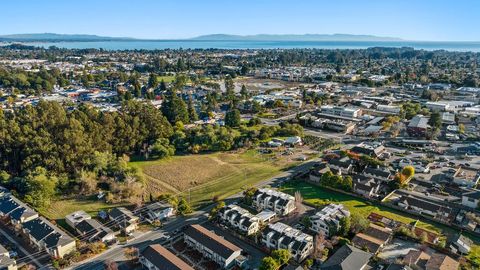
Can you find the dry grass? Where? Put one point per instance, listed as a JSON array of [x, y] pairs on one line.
[[209, 175]]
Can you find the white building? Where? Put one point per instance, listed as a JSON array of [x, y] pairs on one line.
[[341, 111], [328, 219], [280, 203], [282, 236], [471, 199], [238, 218]]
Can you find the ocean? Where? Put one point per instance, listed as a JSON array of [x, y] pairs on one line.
[[206, 44]]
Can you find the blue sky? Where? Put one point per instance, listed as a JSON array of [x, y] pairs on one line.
[[440, 20]]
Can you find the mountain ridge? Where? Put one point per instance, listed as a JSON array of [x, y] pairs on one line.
[[53, 37]]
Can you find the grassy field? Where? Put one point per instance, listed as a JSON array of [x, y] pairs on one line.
[[201, 177], [317, 195]]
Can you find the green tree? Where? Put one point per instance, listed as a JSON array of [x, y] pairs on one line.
[[174, 108], [268, 263], [214, 211], [344, 226], [282, 256], [244, 91], [229, 89], [40, 188], [152, 80], [358, 222], [184, 207], [192, 113], [435, 120], [232, 118], [162, 148]]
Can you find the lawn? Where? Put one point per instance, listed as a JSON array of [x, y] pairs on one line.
[[199, 178], [166, 79], [317, 195]]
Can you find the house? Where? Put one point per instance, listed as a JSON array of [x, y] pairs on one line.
[[76, 217], [416, 258], [343, 165], [365, 186], [419, 166], [212, 246], [15, 211], [317, 171], [424, 207], [466, 177], [159, 211], [124, 219], [441, 262], [373, 238], [156, 257], [461, 244], [381, 174], [328, 218], [280, 203], [418, 126], [347, 258], [369, 149], [238, 218], [282, 236], [6, 263], [91, 230], [46, 236], [292, 141], [471, 199]]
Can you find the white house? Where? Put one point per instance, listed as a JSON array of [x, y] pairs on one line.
[[328, 218], [76, 217], [159, 211]]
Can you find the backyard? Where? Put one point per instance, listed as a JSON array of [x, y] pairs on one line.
[[318, 196]]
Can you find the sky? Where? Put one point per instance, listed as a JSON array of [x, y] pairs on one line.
[[426, 20]]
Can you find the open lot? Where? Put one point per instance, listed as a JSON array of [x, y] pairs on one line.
[[201, 177]]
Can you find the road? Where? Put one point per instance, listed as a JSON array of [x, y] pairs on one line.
[[116, 253]]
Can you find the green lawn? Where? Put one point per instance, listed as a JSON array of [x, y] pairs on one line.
[[317, 195], [166, 79], [199, 178]]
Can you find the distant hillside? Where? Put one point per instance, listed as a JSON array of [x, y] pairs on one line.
[[306, 37], [51, 37]]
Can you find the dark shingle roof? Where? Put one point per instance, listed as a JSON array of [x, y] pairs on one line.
[[347, 258]]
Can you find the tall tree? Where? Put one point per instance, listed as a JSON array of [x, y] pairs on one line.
[[174, 108], [192, 113]]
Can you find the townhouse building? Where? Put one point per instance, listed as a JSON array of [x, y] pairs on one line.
[[328, 219], [156, 257], [282, 236], [269, 199], [240, 219], [212, 246]]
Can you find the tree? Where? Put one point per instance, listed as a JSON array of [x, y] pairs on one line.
[[306, 222], [435, 120], [162, 148], [152, 80], [248, 195], [174, 108], [232, 118], [229, 89], [358, 222], [461, 128], [408, 171], [214, 211], [131, 253], [184, 207], [192, 113], [40, 188], [345, 224], [244, 91], [269, 263], [282, 256]]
